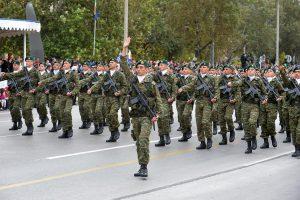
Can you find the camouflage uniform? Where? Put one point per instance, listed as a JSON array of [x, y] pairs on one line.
[[41, 102], [112, 102], [125, 112], [268, 114], [27, 97], [184, 109], [204, 107], [84, 100], [164, 121]]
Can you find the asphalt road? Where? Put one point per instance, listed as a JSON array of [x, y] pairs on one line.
[[86, 167]]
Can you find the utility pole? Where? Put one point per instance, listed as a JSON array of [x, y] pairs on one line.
[[277, 35], [125, 19]]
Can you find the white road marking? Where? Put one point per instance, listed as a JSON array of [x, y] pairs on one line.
[[4, 136], [99, 150]]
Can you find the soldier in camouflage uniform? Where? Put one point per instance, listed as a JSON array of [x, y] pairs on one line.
[[269, 111], [54, 99], [213, 71], [206, 93], [228, 98], [41, 98], [68, 88], [238, 106], [294, 113], [185, 103], [250, 104], [29, 79], [84, 100], [14, 100], [166, 84], [142, 118], [114, 85]]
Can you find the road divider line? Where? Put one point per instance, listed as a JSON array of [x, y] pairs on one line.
[[99, 150], [90, 170]]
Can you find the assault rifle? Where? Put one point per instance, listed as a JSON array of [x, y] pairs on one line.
[[162, 85], [204, 87], [13, 83], [142, 99], [295, 91], [27, 78], [63, 81], [270, 88], [182, 84], [252, 90], [110, 84], [226, 89]]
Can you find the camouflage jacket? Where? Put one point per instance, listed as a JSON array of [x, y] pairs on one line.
[[182, 81]]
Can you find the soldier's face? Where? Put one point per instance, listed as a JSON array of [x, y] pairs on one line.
[[227, 71], [41, 67], [251, 72], [141, 70], [66, 66], [112, 65], [162, 67], [56, 66], [29, 63], [16, 67], [186, 71], [100, 68], [85, 68], [296, 74], [204, 69], [270, 73]]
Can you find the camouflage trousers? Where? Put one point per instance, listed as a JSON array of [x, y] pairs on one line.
[[15, 107], [214, 113], [225, 112], [141, 130], [41, 105], [285, 116], [268, 116], [54, 107], [184, 112], [250, 114], [238, 112], [112, 108], [203, 119], [66, 103], [163, 122], [125, 108], [98, 108], [27, 106], [84, 103], [280, 112], [294, 112]]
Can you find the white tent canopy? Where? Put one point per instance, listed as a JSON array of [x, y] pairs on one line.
[[12, 27]]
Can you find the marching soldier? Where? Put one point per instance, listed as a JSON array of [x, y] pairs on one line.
[[69, 87], [185, 103], [54, 99], [84, 100], [206, 93], [14, 99], [144, 99], [166, 84], [269, 111], [228, 98], [294, 112], [253, 92], [114, 85], [41, 98], [29, 77], [238, 106], [214, 71]]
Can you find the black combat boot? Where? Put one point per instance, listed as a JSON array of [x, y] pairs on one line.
[[172, 120], [189, 134], [117, 135], [123, 121], [29, 130], [69, 133], [14, 127], [215, 128], [295, 153], [265, 144], [201, 146], [209, 143], [243, 138], [41, 124], [54, 128], [282, 129], [44, 121], [288, 137], [64, 134], [144, 171], [224, 139], [179, 129], [88, 124], [105, 123], [100, 130], [161, 141], [254, 143], [183, 138], [231, 136], [84, 125], [114, 136], [96, 130], [138, 173], [240, 127], [20, 124], [168, 139], [274, 142], [249, 148], [126, 126], [59, 125]]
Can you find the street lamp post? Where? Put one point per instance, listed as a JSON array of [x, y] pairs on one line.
[[277, 35]]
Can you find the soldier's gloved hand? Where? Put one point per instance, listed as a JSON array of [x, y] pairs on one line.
[[89, 91], [264, 101], [47, 92], [117, 93], [32, 91], [279, 99], [179, 91], [40, 83], [229, 84], [190, 101], [18, 94], [214, 100], [69, 94]]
